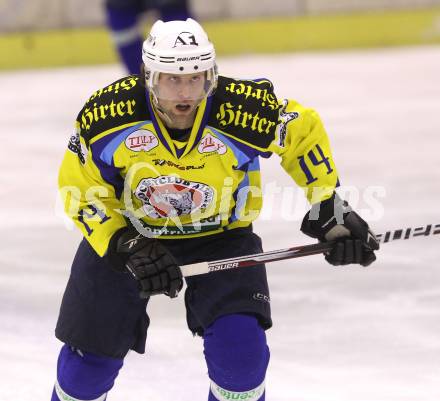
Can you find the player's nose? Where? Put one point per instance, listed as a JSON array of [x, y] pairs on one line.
[[185, 91]]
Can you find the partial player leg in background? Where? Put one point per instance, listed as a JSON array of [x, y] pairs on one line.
[[237, 356], [171, 10], [82, 376], [122, 20]]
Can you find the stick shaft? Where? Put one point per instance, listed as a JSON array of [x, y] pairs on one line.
[[255, 259], [407, 233], [297, 252]]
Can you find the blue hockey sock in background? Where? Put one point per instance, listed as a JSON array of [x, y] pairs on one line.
[[122, 19], [127, 37], [237, 356], [83, 376], [173, 10]]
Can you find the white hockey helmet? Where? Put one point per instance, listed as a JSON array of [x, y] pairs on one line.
[[178, 47]]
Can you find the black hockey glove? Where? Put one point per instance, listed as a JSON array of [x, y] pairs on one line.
[[333, 219], [148, 261]]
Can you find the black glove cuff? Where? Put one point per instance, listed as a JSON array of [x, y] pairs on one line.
[[323, 216], [124, 243]]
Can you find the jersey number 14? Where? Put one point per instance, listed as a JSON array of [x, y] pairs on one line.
[[316, 157]]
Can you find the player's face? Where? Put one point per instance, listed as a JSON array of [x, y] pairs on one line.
[[179, 95]]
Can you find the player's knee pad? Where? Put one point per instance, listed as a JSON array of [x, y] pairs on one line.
[[237, 356], [82, 376]]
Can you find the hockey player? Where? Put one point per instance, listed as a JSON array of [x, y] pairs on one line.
[[163, 171], [122, 18]]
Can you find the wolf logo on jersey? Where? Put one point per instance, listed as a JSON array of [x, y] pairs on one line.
[[169, 196]]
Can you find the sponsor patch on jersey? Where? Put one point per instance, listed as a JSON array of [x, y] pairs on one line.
[[170, 196], [211, 223], [141, 140], [210, 143], [169, 163], [246, 110], [285, 118], [77, 147]]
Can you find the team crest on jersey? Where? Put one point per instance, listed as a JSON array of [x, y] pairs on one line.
[[170, 196], [210, 143], [77, 147], [141, 140]]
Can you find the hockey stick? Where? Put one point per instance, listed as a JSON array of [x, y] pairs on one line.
[[409, 233], [296, 252]]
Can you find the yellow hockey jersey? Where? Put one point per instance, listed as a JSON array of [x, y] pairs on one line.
[[122, 165]]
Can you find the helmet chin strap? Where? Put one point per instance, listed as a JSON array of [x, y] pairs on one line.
[[165, 117], [162, 114]]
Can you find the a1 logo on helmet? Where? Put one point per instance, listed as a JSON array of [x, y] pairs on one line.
[[185, 39]]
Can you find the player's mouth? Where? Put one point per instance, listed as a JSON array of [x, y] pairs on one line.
[[183, 107]]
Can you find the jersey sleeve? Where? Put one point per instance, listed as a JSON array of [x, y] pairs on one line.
[[303, 145], [89, 189]]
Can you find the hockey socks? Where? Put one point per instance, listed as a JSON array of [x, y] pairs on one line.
[[84, 377], [126, 34], [174, 10], [237, 356]]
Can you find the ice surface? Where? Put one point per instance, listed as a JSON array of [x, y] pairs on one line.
[[340, 334]]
